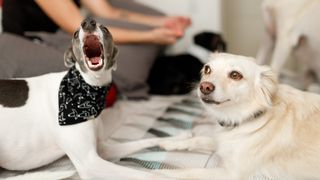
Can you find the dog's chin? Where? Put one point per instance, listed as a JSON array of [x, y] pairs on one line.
[[93, 52], [210, 101]]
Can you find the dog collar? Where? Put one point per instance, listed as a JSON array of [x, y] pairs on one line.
[[255, 115], [79, 101]]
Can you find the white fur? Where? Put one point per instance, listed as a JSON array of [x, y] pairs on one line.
[[292, 28], [282, 143], [44, 175], [30, 135]]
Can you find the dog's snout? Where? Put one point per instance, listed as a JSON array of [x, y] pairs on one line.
[[207, 87], [89, 24]]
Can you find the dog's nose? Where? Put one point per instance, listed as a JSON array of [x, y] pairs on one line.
[[206, 88], [89, 24]]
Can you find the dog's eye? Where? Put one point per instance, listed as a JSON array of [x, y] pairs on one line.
[[104, 29], [235, 75], [207, 69], [76, 34]]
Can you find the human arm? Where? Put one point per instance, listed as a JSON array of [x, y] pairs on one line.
[[64, 13], [68, 17], [155, 36], [103, 9]]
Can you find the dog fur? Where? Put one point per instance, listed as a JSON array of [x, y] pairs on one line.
[[30, 134], [182, 71], [292, 29], [260, 126]]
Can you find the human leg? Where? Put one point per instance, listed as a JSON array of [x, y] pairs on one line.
[[21, 57], [134, 6]]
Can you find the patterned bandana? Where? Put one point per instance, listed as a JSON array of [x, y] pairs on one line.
[[79, 101]]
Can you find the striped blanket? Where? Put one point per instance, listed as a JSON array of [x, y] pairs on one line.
[[161, 116]]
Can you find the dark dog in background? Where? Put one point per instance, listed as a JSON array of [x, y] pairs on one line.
[[177, 74]]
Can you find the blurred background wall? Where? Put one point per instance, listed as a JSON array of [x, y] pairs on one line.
[[239, 21], [205, 14], [242, 25]]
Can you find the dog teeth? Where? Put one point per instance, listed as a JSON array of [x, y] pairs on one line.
[[96, 65]]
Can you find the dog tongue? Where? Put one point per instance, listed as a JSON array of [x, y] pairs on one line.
[[95, 60]]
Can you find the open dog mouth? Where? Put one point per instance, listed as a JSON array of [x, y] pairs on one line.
[[209, 100], [93, 51]]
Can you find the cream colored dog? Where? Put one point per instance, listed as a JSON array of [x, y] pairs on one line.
[[292, 28], [261, 126]]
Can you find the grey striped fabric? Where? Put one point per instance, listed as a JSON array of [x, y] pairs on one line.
[[132, 120]]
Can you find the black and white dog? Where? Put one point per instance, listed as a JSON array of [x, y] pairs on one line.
[[182, 71], [45, 117]]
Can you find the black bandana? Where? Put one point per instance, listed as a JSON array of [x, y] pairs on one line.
[[79, 101]]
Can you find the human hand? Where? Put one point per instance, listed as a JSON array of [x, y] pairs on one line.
[[178, 24], [162, 35]]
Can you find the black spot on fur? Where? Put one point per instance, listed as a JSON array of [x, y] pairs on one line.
[[13, 93]]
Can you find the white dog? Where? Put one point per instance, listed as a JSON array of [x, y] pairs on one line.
[[262, 126], [45, 117], [292, 29]]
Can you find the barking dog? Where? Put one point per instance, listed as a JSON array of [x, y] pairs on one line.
[[292, 29], [45, 117], [261, 126]]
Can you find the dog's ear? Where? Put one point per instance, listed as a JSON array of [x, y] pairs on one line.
[[266, 85], [69, 58], [112, 58], [211, 41]]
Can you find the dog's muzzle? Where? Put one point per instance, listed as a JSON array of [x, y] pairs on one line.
[[93, 50], [209, 100], [89, 25], [206, 88], [92, 47]]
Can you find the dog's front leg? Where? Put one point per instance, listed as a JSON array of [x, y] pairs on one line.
[[218, 173], [79, 142], [268, 41], [205, 174], [198, 143], [265, 51], [285, 43], [119, 150]]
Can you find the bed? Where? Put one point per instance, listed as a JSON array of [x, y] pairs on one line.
[[131, 120], [160, 116]]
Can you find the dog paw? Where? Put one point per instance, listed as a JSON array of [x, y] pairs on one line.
[[175, 142], [184, 135], [173, 145]]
